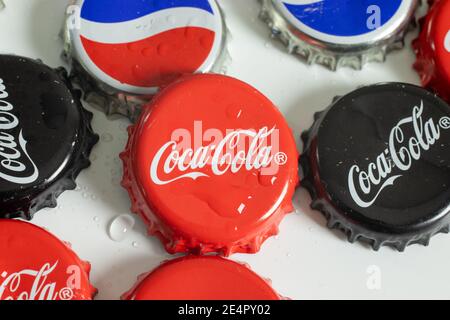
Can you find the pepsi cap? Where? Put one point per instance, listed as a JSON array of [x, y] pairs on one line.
[[123, 51], [45, 136], [384, 179], [340, 33]]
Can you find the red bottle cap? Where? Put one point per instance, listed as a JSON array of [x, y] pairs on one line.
[[211, 166], [35, 265], [433, 49], [201, 278]]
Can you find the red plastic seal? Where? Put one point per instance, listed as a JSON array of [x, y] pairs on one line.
[[35, 265], [201, 278], [433, 49], [211, 166]]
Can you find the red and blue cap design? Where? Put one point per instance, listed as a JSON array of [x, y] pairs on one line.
[[345, 22], [137, 46]]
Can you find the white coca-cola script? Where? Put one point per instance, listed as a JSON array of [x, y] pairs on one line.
[[15, 159], [228, 153], [41, 288], [367, 185]]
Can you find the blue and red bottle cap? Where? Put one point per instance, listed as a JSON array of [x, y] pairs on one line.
[[339, 33], [137, 46]]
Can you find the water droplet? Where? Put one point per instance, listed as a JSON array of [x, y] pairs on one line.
[[85, 195], [148, 52], [94, 197], [96, 219], [251, 179], [134, 47], [234, 112], [78, 188], [120, 226], [266, 180], [44, 76], [171, 19], [135, 244], [194, 21], [107, 137], [163, 49]]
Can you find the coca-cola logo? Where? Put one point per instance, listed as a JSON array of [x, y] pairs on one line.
[[15, 160], [367, 185], [231, 152], [447, 41], [12, 286]]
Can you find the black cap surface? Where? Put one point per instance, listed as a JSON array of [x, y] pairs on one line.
[[45, 136], [377, 163]]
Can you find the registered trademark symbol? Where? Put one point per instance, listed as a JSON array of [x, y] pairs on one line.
[[444, 123], [281, 158], [66, 294]]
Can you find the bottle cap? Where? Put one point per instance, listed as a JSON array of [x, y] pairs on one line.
[[340, 33], [211, 166], [35, 265], [201, 278], [123, 51], [385, 178], [45, 136], [433, 49]]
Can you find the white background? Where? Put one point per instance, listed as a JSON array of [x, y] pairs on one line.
[[306, 261]]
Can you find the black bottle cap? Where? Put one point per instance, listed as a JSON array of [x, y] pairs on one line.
[[377, 164], [45, 136]]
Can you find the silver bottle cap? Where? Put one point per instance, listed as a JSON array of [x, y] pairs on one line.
[[123, 51], [340, 33]]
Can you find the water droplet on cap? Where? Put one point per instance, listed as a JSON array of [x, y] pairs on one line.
[[234, 112], [267, 180]]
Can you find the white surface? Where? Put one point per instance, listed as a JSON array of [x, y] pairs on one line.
[[306, 261]]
